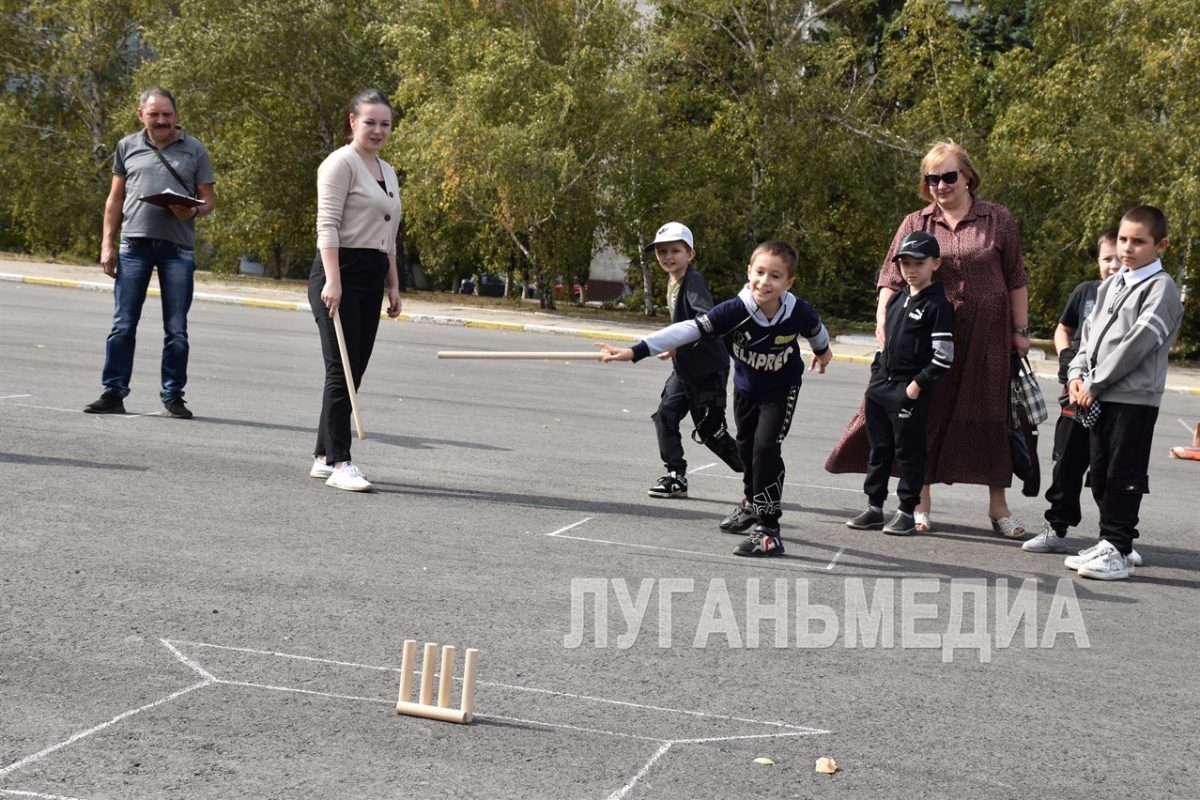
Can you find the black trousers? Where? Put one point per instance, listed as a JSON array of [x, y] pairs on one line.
[[1072, 455], [1120, 442], [896, 432], [763, 421], [704, 399], [363, 274]]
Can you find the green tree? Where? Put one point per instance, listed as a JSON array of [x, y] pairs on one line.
[[636, 186], [1101, 114], [265, 86], [67, 98], [771, 129], [507, 124]]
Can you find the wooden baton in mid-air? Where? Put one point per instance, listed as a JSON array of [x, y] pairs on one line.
[[577, 355]]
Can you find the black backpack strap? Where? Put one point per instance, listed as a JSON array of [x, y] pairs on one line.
[[190, 192]]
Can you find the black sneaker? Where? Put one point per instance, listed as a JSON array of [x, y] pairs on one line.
[[869, 520], [109, 403], [670, 485], [739, 520], [902, 524], [177, 408], [762, 541]]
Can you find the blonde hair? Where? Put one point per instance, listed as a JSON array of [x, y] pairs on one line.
[[939, 152]]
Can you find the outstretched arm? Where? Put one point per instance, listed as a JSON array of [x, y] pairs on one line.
[[610, 353]]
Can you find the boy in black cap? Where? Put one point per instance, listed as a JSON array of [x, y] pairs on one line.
[[918, 349], [701, 369]]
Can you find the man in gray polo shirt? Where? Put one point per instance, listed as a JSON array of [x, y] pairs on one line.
[[158, 158]]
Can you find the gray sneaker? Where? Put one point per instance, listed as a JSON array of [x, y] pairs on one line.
[[902, 524], [739, 520], [869, 520], [1046, 541]]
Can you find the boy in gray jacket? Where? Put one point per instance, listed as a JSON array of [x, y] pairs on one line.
[[1117, 381]]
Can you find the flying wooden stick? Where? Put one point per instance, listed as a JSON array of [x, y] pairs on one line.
[[341, 337], [574, 355]]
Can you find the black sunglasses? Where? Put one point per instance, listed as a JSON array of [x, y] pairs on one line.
[[949, 178]]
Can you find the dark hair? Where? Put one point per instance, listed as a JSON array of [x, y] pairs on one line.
[[1151, 217], [364, 98], [1107, 236], [156, 91], [779, 249]]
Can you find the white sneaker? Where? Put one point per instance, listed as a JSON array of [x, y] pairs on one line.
[[320, 469], [1107, 565], [1082, 557], [1046, 541], [1073, 562], [349, 477]]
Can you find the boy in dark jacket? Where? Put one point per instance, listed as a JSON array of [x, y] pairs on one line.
[[701, 369], [918, 349]]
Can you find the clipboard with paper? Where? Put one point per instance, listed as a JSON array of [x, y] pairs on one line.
[[167, 198]]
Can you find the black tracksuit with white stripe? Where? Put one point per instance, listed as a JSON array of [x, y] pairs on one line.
[[767, 371], [918, 346]]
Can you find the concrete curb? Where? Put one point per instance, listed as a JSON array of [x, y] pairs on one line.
[[283, 305], [438, 319]]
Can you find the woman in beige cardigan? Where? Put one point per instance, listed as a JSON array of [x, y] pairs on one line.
[[358, 214]]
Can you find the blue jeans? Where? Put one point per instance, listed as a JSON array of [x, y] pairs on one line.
[[176, 267]]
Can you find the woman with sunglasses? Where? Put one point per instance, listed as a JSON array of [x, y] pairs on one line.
[[983, 274]]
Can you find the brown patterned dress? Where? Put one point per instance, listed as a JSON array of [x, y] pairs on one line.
[[968, 433]]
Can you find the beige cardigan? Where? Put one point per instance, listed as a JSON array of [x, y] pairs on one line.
[[352, 211]]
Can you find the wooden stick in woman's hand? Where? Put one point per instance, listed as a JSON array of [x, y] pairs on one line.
[[341, 339]]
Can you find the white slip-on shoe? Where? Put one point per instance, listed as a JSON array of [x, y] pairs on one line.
[[1009, 527], [320, 469]]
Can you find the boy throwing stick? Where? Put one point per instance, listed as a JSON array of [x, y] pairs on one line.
[[765, 322], [701, 369], [1117, 380], [918, 349]]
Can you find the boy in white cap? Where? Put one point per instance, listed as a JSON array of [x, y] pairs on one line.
[[697, 383]]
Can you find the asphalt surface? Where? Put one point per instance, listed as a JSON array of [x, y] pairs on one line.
[[183, 613]]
